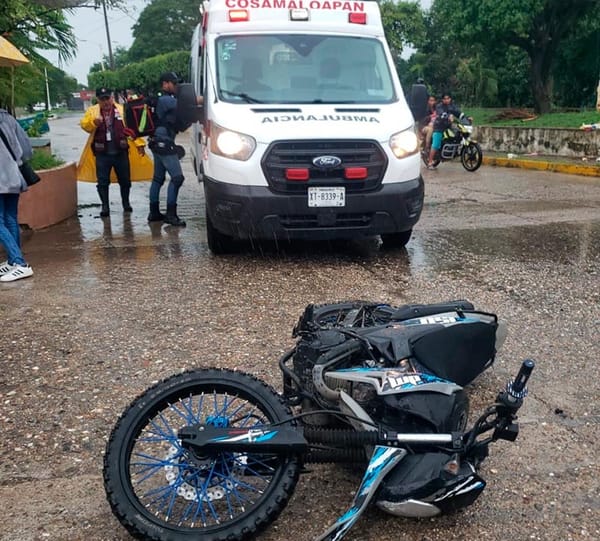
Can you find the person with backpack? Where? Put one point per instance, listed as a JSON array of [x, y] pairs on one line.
[[165, 151], [109, 148]]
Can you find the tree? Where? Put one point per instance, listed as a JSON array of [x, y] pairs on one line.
[[31, 26], [403, 25], [120, 58], [41, 24], [142, 76], [538, 27], [164, 26]]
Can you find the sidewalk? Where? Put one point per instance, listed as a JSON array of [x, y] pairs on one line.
[[558, 164]]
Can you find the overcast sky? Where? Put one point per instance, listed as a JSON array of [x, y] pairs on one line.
[[88, 25], [90, 30]]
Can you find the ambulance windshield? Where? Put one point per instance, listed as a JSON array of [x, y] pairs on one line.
[[293, 68]]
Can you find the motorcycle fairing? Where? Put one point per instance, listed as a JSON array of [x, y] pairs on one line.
[[382, 461], [458, 353], [420, 486], [392, 381]]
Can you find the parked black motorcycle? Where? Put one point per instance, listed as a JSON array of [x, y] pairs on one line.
[[456, 142], [214, 454]]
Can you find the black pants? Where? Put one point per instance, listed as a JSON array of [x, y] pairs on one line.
[[120, 163]]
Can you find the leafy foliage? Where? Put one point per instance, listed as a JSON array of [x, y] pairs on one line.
[[403, 25], [163, 26], [120, 59], [538, 27], [143, 76], [33, 26], [42, 160]]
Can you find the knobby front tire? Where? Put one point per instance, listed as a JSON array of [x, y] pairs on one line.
[[160, 491]]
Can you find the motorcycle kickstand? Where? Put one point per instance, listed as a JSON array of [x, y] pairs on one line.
[[382, 461]]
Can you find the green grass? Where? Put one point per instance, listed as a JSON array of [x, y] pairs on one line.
[[483, 117], [42, 160]]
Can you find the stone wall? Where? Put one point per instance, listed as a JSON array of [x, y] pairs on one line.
[[548, 141]]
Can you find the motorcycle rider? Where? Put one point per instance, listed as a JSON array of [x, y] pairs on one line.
[[426, 124], [443, 112]]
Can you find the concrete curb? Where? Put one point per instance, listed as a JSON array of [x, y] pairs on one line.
[[557, 167]]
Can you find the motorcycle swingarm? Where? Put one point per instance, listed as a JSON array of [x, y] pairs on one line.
[[207, 439], [382, 461]]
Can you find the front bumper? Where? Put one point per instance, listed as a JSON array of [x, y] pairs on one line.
[[257, 212]]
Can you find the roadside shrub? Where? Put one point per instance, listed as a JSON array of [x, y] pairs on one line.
[[43, 160]]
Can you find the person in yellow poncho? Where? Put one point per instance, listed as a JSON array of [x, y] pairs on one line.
[[108, 152]]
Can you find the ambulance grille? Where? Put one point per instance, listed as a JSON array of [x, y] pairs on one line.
[[282, 155]]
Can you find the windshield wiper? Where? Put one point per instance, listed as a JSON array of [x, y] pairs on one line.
[[247, 98], [328, 102]]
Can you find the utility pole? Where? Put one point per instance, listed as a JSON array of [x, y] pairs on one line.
[[111, 59], [48, 104]]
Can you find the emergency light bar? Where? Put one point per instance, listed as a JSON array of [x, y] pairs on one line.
[[295, 14], [299, 14], [357, 18], [238, 15]]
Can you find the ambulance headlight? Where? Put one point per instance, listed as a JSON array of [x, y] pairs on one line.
[[231, 144], [404, 143]]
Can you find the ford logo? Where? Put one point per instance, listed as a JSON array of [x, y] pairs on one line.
[[327, 162]]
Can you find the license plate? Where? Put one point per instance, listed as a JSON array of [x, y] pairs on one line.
[[319, 196]]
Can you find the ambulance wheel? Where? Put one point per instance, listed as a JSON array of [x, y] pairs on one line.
[[218, 243], [198, 169], [396, 240]]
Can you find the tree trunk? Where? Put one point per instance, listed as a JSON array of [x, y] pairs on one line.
[[541, 81]]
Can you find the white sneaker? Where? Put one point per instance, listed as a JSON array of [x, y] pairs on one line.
[[16, 273], [5, 267]]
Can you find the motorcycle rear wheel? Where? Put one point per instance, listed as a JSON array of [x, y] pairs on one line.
[[425, 158], [161, 491], [471, 157]]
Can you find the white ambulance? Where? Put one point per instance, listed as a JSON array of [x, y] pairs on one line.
[[306, 133]]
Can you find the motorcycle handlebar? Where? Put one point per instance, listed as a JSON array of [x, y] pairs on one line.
[[520, 381]]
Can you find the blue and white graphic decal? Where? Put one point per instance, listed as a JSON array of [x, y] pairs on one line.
[[391, 381], [249, 435], [470, 484], [449, 318], [382, 461], [407, 381]]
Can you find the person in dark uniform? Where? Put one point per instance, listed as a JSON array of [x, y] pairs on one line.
[[166, 159]]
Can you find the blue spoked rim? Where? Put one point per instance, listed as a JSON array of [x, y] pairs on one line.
[[189, 491]]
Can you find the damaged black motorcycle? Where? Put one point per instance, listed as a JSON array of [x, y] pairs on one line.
[[214, 454]]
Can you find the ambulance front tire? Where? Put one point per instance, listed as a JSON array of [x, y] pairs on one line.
[[218, 243], [198, 169], [396, 240]]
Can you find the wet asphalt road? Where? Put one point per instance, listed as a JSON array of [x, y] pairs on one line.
[[116, 305]]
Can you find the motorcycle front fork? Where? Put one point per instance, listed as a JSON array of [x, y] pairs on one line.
[[382, 461]]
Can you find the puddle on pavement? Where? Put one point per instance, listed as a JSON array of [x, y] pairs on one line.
[[89, 240], [560, 243]]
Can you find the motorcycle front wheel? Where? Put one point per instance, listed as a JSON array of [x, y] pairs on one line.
[[161, 491], [471, 157]]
